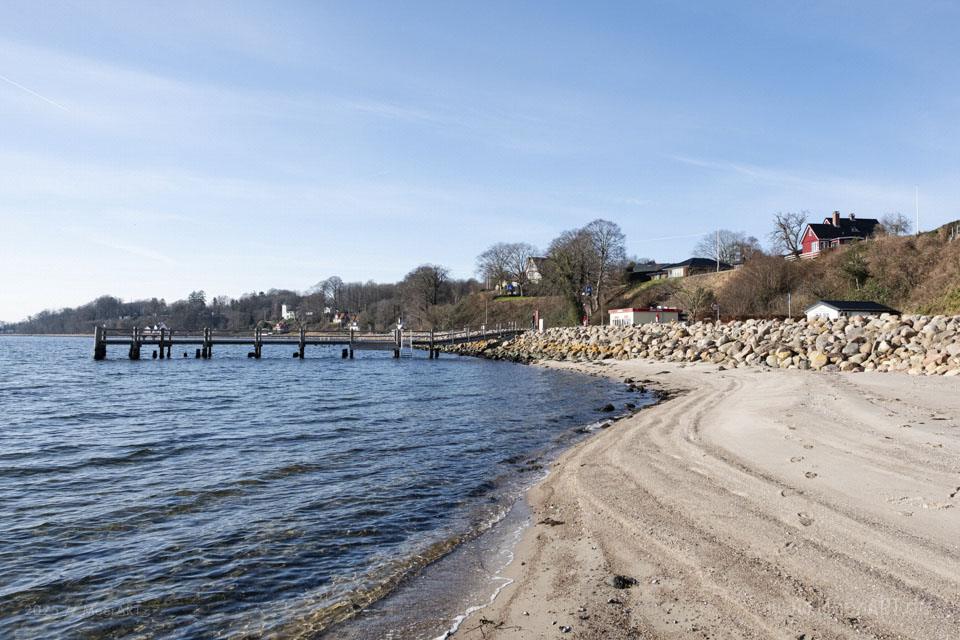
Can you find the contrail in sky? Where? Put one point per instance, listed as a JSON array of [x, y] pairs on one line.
[[34, 93], [692, 235]]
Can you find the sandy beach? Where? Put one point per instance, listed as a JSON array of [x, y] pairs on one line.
[[750, 504]]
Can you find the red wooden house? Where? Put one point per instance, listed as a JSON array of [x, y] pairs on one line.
[[835, 231]]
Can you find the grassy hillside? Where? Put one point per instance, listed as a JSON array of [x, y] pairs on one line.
[[476, 308], [913, 274]]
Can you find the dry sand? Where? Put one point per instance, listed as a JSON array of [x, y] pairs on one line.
[[774, 504]]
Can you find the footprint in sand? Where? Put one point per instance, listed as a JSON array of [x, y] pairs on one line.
[[805, 520], [796, 458], [918, 502], [808, 446], [810, 474], [789, 548]]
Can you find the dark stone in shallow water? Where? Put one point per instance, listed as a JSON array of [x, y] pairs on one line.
[[607, 408]]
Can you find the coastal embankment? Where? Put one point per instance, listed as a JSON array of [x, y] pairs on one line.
[[914, 344], [759, 500]]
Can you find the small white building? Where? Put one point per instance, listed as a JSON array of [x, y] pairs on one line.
[[834, 309], [631, 317], [534, 269], [287, 314]]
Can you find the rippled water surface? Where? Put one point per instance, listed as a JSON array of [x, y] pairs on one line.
[[232, 497]]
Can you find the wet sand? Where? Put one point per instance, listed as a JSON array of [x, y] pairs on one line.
[[751, 504]]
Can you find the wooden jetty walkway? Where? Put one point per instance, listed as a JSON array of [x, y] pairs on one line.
[[163, 341]]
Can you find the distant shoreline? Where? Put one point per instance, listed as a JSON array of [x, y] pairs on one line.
[[47, 335]]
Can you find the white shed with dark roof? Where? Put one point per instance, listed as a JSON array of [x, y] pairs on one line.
[[834, 309]]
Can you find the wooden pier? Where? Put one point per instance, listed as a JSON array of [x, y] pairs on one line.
[[163, 341]]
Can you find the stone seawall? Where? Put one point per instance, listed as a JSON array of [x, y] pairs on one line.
[[913, 344]]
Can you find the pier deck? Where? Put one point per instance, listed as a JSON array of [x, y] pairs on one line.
[[164, 340]]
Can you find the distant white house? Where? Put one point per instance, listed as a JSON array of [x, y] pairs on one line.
[[834, 309], [631, 317], [287, 314], [534, 269]]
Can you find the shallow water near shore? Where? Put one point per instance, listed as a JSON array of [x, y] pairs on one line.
[[239, 498]]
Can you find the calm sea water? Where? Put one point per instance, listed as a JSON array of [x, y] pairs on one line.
[[239, 498]]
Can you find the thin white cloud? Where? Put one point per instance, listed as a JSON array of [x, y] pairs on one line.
[[830, 185], [636, 202], [758, 174], [124, 246], [33, 93], [691, 235], [397, 112]]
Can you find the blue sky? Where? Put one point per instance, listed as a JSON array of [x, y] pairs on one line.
[[151, 149]]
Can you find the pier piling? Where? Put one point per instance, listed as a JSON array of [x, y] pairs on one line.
[[99, 347]]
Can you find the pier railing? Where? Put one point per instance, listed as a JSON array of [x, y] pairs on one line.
[[163, 340]]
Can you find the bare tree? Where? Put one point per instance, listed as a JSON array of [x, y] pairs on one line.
[[747, 249], [424, 288], [694, 299], [331, 291], [786, 236], [493, 265], [896, 224], [459, 289], [727, 246], [568, 269], [219, 304], [506, 262], [608, 254], [518, 253]]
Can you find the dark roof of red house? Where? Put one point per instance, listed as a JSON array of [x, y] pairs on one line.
[[847, 228]]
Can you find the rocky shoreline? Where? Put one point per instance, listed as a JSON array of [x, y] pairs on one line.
[[912, 344]]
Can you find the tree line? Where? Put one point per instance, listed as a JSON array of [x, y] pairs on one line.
[[580, 265], [370, 305], [583, 267]]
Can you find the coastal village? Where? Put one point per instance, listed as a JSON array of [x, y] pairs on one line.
[[832, 266]]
